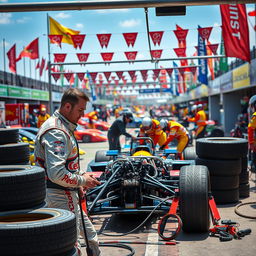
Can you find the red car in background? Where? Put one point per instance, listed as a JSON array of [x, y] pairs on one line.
[[99, 125], [89, 135]]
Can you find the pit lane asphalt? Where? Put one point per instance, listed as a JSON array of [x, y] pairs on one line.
[[187, 244]]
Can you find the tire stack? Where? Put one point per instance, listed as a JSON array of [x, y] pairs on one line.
[[244, 186], [26, 228], [222, 156]]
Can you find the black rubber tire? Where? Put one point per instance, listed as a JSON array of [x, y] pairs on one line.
[[21, 187], [14, 153], [100, 156], [244, 190], [221, 167], [217, 132], [224, 182], [86, 138], [244, 164], [244, 177], [38, 232], [226, 196], [189, 153], [9, 135], [221, 148], [193, 204]]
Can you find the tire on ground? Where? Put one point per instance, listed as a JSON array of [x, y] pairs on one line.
[[193, 205], [221, 167], [38, 232], [217, 132], [244, 177], [189, 153], [21, 187], [224, 182], [221, 147], [14, 153], [101, 156], [226, 196], [9, 135], [244, 190]]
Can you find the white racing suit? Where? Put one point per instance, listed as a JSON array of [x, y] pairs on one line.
[[56, 150]]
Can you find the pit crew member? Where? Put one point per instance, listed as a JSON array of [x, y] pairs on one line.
[[56, 150]]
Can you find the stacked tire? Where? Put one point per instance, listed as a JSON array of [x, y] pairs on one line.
[[222, 156], [26, 228], [244, 186]]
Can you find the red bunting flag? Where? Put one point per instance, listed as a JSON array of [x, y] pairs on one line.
[[56, 39], [68, 76], [132, 73], [205, 32], [116, 82], [213, 48], [181, 70], [156, 36], [119, 74], [42, 67], [82, 57], [235, 31], [130, 38], [169, 71], [31, 51], [131, 55], [38, 65], [107, 75], [80, 76], [180, 52], [78, 40], [252, 13], [12, 59], [193, 70], [59, 57], [56, 76], [107, 56], [104, 39], [156, 54], [93, 76], [181, 35], [156, 72]]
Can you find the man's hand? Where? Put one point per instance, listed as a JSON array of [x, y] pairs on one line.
[[91, 181]]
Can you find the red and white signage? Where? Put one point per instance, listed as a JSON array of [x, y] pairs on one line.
[[205, 32], [59, 57], [156, 54], [80, 76], [107, 75], [156, 36], [107, 56], [56, 39], [68, 76], [55, 76], [131, 55], [78, 40], [213, 48], [130, 38], [104, 39], [82, 57]]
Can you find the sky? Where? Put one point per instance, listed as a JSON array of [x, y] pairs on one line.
[[23, 27]]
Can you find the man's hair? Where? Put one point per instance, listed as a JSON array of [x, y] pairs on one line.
[[72, 96]]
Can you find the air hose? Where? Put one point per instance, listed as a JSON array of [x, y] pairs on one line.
[[243, 215]]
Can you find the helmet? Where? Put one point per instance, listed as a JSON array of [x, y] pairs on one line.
[[252, 104], [163, 123], [43, 109], [199, 106], [147, 123], [129, 115], [194, 108]]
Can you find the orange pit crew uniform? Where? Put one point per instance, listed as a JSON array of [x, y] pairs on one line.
[[251, 133], [155, 133], [176, 131], [200, 119], [41, 119]]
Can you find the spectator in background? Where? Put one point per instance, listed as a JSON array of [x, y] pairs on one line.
[[33, 118], [42, 117]]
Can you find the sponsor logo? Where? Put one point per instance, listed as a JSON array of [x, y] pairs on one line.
[[68, 180], [59, 148], [73, 166], [70, 201]]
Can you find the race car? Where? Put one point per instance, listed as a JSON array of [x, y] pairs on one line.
[[89, 135], [146, 180], [99, 125]]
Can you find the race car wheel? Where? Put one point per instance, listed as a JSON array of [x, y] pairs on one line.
[[221, 148], [101, 156], [221, 167], [86, 138], [189, 153], [9, 135], [193, 206], [40, 232], [21, 187], [14, 153]]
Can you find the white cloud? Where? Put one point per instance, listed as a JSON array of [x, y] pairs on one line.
[[63, 15], [79, 25], [129, 23], [140, 56], [3, 1], [113, 11], [5, 18], [23, 20]]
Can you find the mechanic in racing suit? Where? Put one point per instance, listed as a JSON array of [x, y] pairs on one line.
[[56, 150], [117, 129], [200, 119], [175, 130], [252, 130], [151, 128]]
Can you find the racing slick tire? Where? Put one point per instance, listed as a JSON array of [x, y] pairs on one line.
[[217, 132], [101, 156], [221, 167], [221, 147], [40, 232], [14, 153], [189, 153], [9, 135], [21, 187], [193, 206], [86, 138]]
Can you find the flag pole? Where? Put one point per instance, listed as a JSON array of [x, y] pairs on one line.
[[49, 68], [4, 61]]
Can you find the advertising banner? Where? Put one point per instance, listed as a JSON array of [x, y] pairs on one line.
[[253, 72], [214, 86], [241, 77], [2, 114], [226, 83]]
